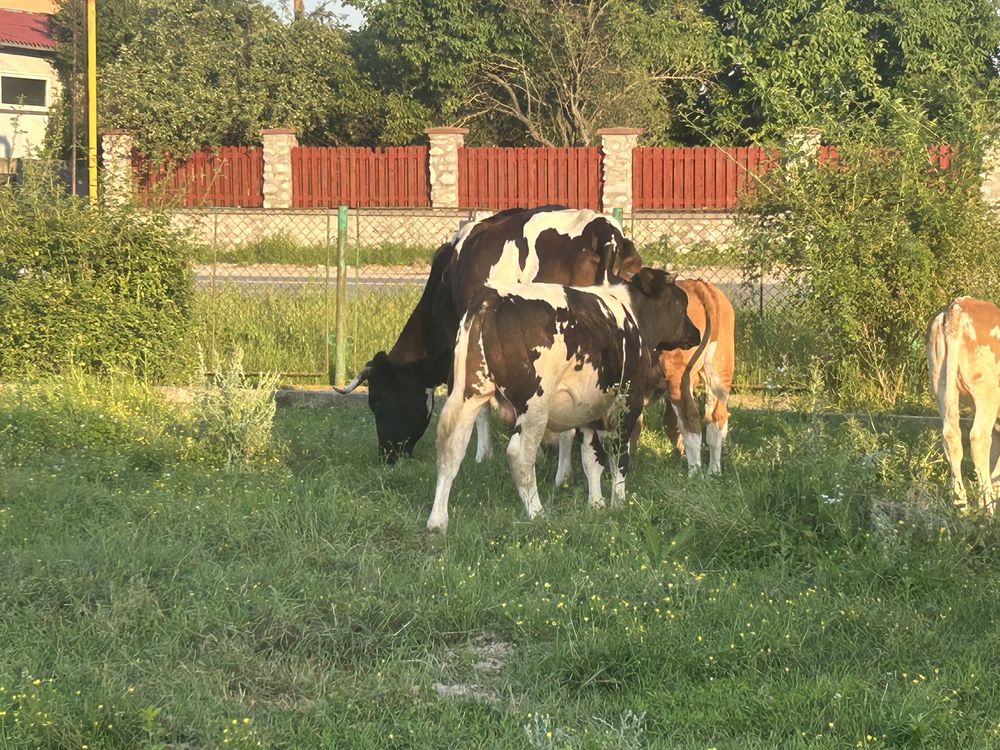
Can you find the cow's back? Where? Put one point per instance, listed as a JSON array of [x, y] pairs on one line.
[[569, 247], [963, 347]]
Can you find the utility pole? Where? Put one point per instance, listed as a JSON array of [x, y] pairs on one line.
[[92, 102], [298, 10]]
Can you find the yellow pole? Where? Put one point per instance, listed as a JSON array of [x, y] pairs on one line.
[[92, 101]]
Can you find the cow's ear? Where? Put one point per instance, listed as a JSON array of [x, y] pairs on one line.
[[652, 282]]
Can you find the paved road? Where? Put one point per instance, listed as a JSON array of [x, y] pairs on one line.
[[273, 276], [277, 277]]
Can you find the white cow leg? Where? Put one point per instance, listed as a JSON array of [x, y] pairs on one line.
[[980, 441], [454, 430], [592, 466], [995, 453], [484, 443], [951, 435], [714, 437], [522, 450], [564, 473], [692, 450]]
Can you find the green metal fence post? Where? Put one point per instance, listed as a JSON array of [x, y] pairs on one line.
[[326, 303], [340, 359], [619, 214]]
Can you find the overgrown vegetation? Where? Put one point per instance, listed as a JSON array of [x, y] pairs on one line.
[[101, 288], [285, 331], [876, 240], [821, 593], [234, 413]]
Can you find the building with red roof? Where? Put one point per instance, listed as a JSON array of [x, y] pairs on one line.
[[28, 81]]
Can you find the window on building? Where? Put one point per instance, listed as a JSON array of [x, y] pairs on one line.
[[24, 91]]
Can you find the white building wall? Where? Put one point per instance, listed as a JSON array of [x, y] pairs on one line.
[[22, 128]]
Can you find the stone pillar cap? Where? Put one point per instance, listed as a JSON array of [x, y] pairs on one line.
[[278, 131], [620, 131], [446, 131]]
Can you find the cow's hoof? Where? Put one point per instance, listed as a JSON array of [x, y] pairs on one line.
[[597, 504], [437, 529]]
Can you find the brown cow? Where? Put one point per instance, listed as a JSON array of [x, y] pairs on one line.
[[963, 357], [712, 314]]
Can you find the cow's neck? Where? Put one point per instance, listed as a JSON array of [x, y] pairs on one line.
[[424, 343]]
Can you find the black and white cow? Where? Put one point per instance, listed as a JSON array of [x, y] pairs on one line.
[[548, 244], [557, 358]]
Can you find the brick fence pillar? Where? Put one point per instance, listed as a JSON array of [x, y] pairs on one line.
[[616, 166], [991, 177], [119, 179], [803, 148], [278, 145], [442, 163]]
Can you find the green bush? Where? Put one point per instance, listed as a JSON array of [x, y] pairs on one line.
[[879, 239], [236, 415], [100, 288]]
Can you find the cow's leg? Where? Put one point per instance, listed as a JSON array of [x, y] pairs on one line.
[[621, 445], [592, 457], [716, 417], [613, 449], [454, 430], [564, 473], [522, 450], [951, 435], [980, 442], [995, 453], [671, 427], [484, 444], [689, 421]]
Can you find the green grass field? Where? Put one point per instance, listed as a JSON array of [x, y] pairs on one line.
[[821, 593], [285, 330]]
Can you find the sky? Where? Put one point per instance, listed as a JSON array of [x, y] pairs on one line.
[[352, 16]]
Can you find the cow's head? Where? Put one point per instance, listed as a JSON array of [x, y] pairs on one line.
[[661, 310], [628, 263], [400, 402]]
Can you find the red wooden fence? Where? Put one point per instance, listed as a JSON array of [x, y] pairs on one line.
[[230, 176], [499, 178], [696, 177], [938, 156], [355, 176]]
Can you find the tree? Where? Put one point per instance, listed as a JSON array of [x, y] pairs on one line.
[[791, 63], [532, 71], [422, 56], [184, 74], [578, 67]]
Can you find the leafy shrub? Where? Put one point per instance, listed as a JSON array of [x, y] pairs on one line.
[[879, 238], [234, 414], [101, 288]]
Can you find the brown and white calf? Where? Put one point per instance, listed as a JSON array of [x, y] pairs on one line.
[[682, 371], [963, 357], [558, 358]]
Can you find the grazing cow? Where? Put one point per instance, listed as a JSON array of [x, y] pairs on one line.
[[549, 244], [963, 357], [712, 314], [557, 358]]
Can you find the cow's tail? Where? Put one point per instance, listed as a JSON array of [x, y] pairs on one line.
[[942, 360], [700, 352], [937, 350]]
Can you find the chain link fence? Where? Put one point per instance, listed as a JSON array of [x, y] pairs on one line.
[[313, 294]]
